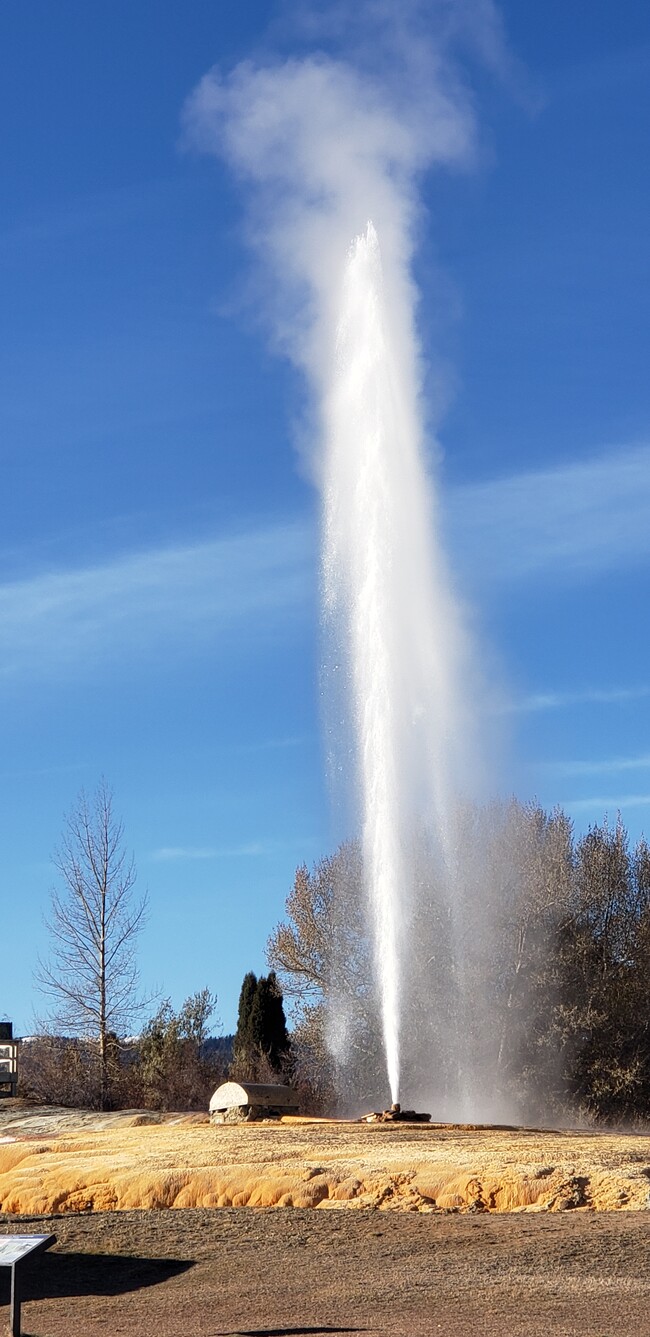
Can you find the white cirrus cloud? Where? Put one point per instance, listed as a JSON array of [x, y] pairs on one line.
[[577, 520], [611, 766], [567, 700], [572, 521], [169, 597], [252, 849], [608, 804]]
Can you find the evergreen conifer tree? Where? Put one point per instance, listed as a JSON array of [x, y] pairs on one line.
[[243, 1043], [261, 1025]]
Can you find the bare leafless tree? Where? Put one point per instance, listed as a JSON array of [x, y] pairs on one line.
[[323, 956], [91, 976]]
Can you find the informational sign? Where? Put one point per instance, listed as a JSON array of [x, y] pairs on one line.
[[15, 1247], [13, 1251]]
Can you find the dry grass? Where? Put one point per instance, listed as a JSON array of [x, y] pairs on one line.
[[280, 1274]]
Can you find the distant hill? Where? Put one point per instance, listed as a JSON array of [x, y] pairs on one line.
[[218, 1046]]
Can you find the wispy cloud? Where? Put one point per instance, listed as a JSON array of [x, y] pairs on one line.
[[248, 850], [175, 596], [573, 521], [94, 213], [606, 696], [610, 804], [610, 766], [273, 744], [581, 518], [35, 773]]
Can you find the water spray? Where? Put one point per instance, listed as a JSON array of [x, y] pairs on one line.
[[391, 611]]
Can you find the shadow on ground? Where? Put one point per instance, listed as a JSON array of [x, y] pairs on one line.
[[285, 1332], [55, 1275]]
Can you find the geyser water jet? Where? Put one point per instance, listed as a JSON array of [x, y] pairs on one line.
[[387, 602], [323, 144]]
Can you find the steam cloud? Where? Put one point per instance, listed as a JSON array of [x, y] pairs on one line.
[[323, 144]]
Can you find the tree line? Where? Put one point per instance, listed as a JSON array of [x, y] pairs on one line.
[[83, 1054], [526, 982], [526, 987]]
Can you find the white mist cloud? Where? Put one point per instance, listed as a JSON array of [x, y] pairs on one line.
[[322, 145]]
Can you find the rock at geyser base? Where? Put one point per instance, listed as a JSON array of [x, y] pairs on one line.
[[395, 1115], [246, 1102]]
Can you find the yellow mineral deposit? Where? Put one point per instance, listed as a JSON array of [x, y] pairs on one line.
[[121, 1162]]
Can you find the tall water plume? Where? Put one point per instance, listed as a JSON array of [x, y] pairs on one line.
[[394, 620], [324, 145]]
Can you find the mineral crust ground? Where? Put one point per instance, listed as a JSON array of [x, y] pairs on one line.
[[479, 1232], [63, 1161]]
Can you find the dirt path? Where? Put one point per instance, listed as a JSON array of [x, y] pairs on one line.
[[225, 1272]]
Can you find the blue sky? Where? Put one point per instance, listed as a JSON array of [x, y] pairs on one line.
[[158, 586]]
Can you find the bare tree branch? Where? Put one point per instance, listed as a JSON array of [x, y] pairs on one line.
[[91, 976]]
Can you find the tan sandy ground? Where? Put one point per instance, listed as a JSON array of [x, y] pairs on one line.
[[62, 1161], [279, 1274]]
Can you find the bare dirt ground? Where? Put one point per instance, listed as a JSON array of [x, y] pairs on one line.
[[416, 1230], [212, 1273]]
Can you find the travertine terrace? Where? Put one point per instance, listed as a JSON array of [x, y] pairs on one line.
[[60, 1161]]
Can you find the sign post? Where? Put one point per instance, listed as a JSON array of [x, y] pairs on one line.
[[14, 1249]]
